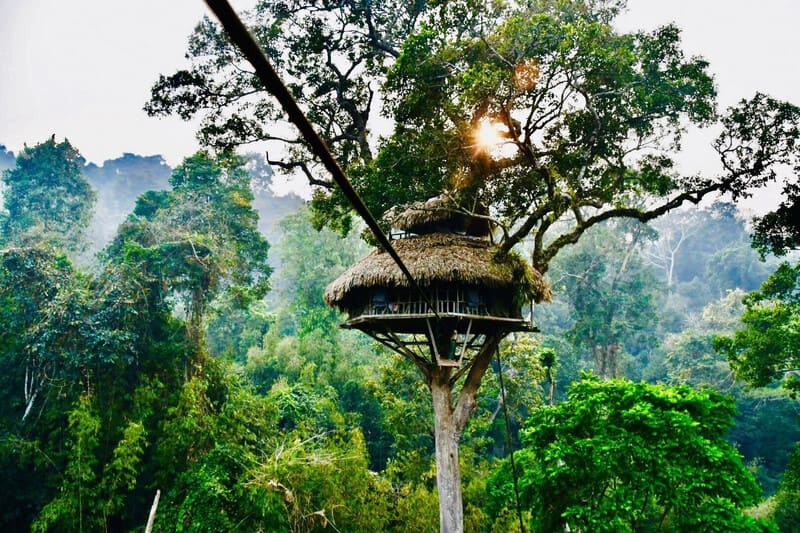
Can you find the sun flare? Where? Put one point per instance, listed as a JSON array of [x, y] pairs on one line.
[[488, 135]]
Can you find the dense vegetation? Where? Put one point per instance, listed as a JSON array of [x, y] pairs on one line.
[[183, 359], [277, 417]]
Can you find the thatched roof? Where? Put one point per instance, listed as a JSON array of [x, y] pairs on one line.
[[439, 258], [440, 213]]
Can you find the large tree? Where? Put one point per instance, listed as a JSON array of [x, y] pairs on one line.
[[47, 200], [612, 295], [589, 118], [621, 456], [541, 110], [85, 360], [199, 239]]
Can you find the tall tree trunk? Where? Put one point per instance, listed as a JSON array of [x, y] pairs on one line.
[[600, 361], [612, 365], [194, 330], [605, 359], [448, 472], [450, 419]]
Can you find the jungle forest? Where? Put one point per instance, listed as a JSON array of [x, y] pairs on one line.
[[621, 350]]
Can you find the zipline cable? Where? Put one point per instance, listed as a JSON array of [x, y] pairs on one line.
[[508, 440], [239, 34]]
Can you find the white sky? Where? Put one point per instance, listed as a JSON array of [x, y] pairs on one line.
[[82, 69]]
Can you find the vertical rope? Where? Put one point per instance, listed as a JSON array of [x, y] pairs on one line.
[[508, 440]]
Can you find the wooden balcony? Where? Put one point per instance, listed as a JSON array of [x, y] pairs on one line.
[[403, 314]]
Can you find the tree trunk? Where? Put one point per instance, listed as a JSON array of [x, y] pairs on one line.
[[605, 359], [194, 330], [612, 365], [450, 418], [448, 472]]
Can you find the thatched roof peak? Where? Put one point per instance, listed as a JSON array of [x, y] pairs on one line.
[[438, 214]]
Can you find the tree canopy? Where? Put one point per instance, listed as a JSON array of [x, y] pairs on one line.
[[611, 294], [540, 117], [767, 346], [586, 119], [292, 424], [199, 239], [47, 200], [621, 456]]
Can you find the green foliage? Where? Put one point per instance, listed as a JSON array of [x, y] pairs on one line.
[[310, 260], [30, 281], [407, 415], [47, 200], [235, 460], [523, 369], [233, 330], [105, 397], [572, 96], [333, 56], [612, 296], [621, 456], [324, 480], [778, 232], [736, 266], [787, 500], [121, 474], [312, 410], [766, 348], [766, 433], [208, 442], [90, 492], [63, 334], [690, 356], [294, 452], [703, 253], [199, 240], [77, 499], [590, 117], [416, 509]]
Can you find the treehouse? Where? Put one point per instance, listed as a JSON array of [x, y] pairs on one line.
[[468, 289]]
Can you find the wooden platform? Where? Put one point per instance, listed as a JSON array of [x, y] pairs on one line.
[[416, 323]]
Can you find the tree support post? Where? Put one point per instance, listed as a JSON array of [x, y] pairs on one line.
[[450, 419]]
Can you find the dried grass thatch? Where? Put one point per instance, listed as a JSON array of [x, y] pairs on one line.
[[439, 258], [437, 214]]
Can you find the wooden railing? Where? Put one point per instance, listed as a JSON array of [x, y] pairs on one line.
[[421, 308]]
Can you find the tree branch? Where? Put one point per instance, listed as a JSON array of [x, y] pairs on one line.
[[466, 398], [292, 165]]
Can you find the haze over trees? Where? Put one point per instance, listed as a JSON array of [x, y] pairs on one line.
[[172, 366], [7, 159]]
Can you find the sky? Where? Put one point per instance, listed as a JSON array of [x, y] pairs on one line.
[[82, 69]]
